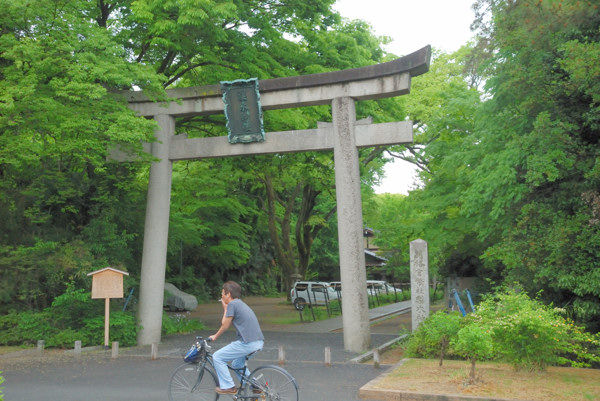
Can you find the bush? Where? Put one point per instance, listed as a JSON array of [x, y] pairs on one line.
[[511, 327], [73, 307], [433, 337], [123, 328], [530, 335], [74, 316], [180, 323], [474, 343], [33, 326]]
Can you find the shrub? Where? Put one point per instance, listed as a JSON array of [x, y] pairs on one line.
[[73, 307], [434, 335], [73, 316], [64, 338], [509, 326], [530, 335], [34, 326], [9, 329], [474, 343], [180, 323], [123, 328]]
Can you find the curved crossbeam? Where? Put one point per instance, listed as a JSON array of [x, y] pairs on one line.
[[370, 82]]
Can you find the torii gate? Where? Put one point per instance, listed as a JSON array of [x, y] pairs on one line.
[[344, 136]]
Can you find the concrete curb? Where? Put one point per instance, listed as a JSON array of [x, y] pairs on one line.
[[372, 391], [368, 355]]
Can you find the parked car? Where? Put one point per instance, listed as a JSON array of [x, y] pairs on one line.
[[381, 287], [311, 292], [373, 286]]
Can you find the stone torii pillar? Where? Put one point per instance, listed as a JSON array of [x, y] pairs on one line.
[[344, 136]]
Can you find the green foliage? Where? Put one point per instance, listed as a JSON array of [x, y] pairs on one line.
[[474, 343], [73, 316], [511, 327], [509, 170], [433, 337], [25, 328], [531, 335], [64, 208], [123, 328], [180, 323], [73, 307]]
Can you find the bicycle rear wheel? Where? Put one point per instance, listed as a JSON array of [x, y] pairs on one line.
[[190, 382], [275, 383]]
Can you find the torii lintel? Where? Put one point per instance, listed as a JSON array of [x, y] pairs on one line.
[[370, 82]]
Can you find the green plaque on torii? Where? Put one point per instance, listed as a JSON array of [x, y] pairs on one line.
[[243, 111]]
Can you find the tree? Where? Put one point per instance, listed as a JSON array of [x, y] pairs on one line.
[[58, 116], [442, 107], [61, 62], [297, 191], [434, 337], [474, 343], [533, 189]]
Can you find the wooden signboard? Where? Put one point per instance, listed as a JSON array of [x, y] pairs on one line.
[[107, 283]]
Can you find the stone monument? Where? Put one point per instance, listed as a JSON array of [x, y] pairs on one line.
[[419, 282]]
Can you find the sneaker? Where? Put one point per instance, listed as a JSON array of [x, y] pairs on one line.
[[232, 390]]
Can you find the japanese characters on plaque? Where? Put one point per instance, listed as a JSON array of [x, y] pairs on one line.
[[243, 111]]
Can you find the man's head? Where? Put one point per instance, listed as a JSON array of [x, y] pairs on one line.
[[233, 289]]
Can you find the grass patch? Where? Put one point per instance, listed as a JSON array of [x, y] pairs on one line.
[[493, 380], [8, 349]]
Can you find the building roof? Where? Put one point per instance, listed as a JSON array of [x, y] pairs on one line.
[[371, 259], [108, 268]]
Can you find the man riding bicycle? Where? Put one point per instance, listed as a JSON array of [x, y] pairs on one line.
[[249, 336]]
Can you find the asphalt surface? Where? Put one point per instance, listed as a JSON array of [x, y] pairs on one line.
[[133, 375]]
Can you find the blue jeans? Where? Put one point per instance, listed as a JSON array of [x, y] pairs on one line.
[[236, 353]]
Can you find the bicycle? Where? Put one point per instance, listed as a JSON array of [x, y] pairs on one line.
[[195, 379]]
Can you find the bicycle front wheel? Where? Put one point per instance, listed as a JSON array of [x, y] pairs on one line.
[[275, 384], [191, 382]]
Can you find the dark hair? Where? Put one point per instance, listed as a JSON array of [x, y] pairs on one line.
[[232, 288]]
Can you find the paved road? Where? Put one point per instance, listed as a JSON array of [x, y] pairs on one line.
[[94, 376]]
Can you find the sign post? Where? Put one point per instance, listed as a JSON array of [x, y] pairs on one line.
[[107, 283]]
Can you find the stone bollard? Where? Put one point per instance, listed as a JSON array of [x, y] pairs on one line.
[[376, 358], [281, 355], [115, 350], [40, 346], [77, 348], [154, 352], [327, 356]]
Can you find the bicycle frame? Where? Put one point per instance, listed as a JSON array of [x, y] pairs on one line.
[[206, 358], [266, 382]]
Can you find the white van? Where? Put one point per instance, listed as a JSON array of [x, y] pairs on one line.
[[311, 292]]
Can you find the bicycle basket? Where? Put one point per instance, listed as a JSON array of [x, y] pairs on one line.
[[192, 355]]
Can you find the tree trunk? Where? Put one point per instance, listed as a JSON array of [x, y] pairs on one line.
[[472, 374]]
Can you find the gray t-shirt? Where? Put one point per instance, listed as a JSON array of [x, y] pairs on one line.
[[244, 321]]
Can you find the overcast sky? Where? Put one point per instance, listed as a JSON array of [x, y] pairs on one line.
[[412, 24]]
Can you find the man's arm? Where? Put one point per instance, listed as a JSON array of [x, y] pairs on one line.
[[225, 324]]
